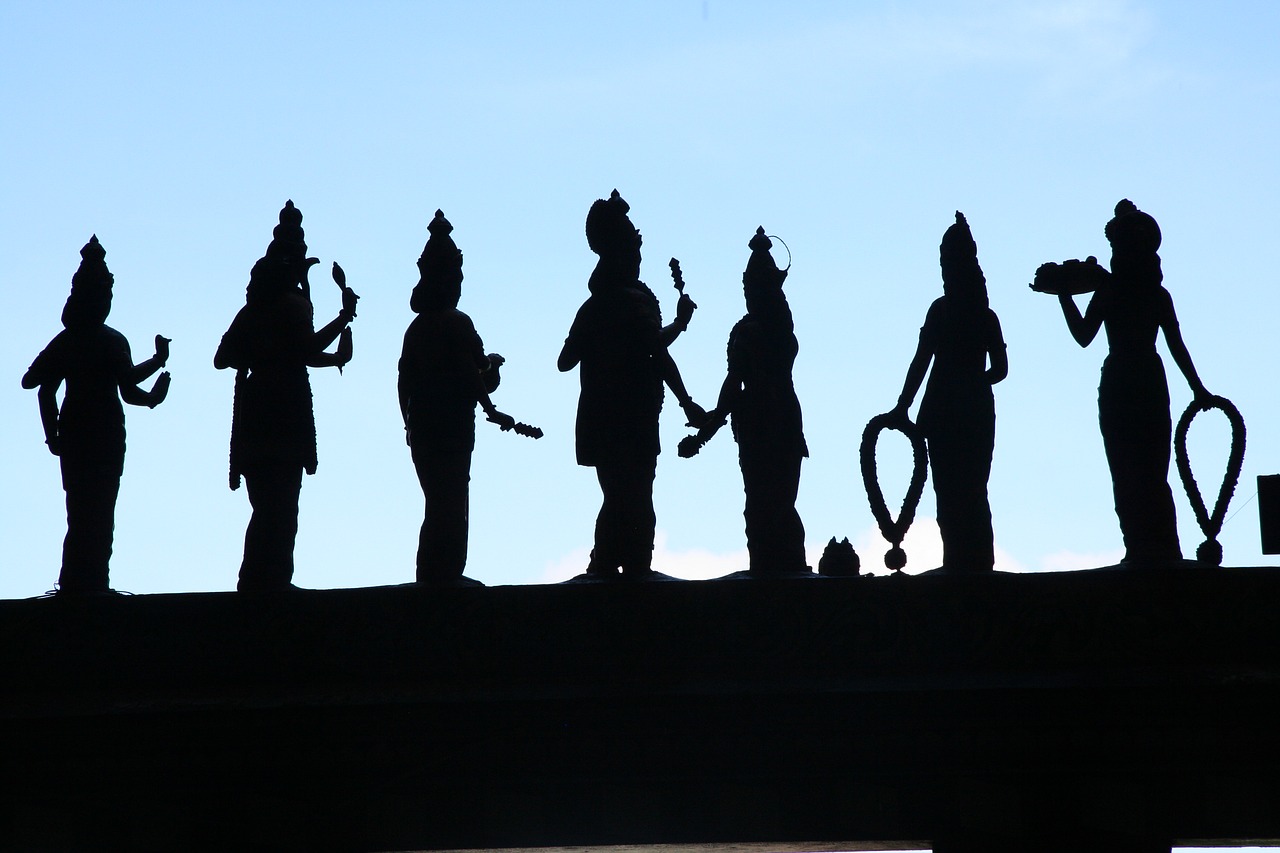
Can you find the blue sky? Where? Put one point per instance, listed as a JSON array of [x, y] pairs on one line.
[[175, 132]]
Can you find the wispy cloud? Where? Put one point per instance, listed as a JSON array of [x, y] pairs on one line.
[[1069, 561], [694, 564], [923, 546]]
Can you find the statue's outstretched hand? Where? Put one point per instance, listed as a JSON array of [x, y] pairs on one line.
[[162, 348], [160, 390], [696, 415], [502, 419], [349, 296]]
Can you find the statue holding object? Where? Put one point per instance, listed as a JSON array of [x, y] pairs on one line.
[[759, 396], [1131, 303], [87, 432], [620, 345], [962, 340], [270, 344], [443, 373]]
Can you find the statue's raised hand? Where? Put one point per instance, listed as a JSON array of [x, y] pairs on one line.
[[685, 307], [162, 349], [349, 296]]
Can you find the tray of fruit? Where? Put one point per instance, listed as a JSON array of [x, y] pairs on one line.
[[1070, 277]]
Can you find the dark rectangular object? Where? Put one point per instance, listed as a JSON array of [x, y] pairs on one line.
[[1269, 512]]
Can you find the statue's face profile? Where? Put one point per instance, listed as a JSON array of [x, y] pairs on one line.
[[631, 254]]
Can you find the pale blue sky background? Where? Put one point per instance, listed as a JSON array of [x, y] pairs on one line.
[[854, 131]]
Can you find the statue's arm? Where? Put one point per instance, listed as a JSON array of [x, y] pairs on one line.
[[333, 359], [320, 340], [141, 371], [403, 383], [47, 398], [1083, 328], [1178, 349], [230, 350], [31, 379], [135, 396], [730, 392], [671, 375], [997, 353], [127, 374], [916, 371], [684, 313], [571, 352]]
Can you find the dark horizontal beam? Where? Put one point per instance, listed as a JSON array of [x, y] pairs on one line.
[[1111, 704]]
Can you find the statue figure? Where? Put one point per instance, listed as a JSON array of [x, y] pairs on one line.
[[1133, 397], [270, 344], [618, 339], [961, 337], [87, 432], [757, 391], [444, 373]]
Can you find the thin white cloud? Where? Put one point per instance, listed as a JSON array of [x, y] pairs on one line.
[[1070, 561], [923, 545], [694, 564]]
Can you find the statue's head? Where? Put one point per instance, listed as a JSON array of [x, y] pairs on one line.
[[439, 269], [90, 300], [611, 235], [762, 280], [1135, 240], [283, 266], [958, 256]]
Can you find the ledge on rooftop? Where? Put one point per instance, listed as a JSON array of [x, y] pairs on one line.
[[1135, 706]]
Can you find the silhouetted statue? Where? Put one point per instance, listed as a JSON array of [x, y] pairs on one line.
[[618, 339], [444, 373], [758, 394], [960, 336], [1133, 396], [87, 432], [270, 344]]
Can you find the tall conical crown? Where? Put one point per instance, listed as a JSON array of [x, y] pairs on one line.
[[288, 240], [90, 298], [958, 245], [439, 269], [762, 270]]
